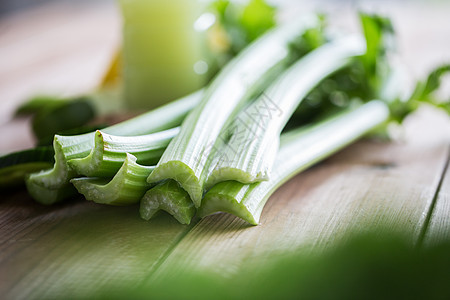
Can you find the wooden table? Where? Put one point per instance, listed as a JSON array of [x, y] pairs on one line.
[[81, 246]]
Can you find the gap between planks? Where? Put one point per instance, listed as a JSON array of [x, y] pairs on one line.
[[438, 226]]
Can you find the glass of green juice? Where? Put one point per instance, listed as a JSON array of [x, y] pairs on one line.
[[163, 51]]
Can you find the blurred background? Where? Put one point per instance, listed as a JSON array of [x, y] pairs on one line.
[[12, 6], [9, 6]]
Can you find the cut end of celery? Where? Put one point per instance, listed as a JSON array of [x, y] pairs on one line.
[[94, 189], [218, 202], [127, 187], [236, 174], [99, 190], [170, 197], [88, 165], [52, 178], [51, 186], [48, 196], [181, 173]]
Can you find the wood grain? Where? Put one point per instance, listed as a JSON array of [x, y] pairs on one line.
[[48, 252]]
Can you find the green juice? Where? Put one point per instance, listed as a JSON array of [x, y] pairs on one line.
[[162, 51]]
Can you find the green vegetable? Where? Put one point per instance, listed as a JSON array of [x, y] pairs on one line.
[[14, 166], [45, 186], [366, 78], [170, 197], [244, 22], [253, 137], [378, 32], [228, 144], [110, 151], [424, 92], [127, 187], [35, 104], [38, 154], [70, 114], [66, 116], [47, 196], [186, 156], [299, 150]]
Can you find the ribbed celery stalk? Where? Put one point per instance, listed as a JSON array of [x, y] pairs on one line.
[[110, 151], [299, 150], [187, 154], [170, 197], [127, 186], [253, 137], [45, 186]]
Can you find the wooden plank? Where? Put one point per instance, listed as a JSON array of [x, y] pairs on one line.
[[368, 185], [438, 229], [48, 251]]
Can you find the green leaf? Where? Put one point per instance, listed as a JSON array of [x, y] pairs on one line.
[[379, 33], [37, 103], [244, 22], [257, 17], [424, 92], [311, 39], [424, 89], [68, 115]]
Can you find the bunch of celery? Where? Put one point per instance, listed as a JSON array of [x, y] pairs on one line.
[[245, 76], [294, 96], [50, 186], [236, 166]]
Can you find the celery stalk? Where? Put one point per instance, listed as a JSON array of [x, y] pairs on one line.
[[110, 151], [170, 197], [127, 186], [299, 150], [44, 186], [253, 140], [186, 156]]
